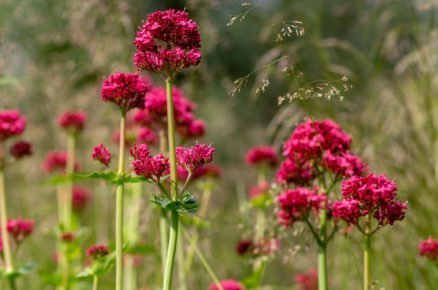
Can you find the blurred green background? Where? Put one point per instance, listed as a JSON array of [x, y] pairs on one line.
[[54, 54]]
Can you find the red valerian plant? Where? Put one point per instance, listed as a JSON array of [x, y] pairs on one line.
[[11, 124], [81, 198], [72, 121], [97, 251], [153, 167], [192, 158], [429, 249], [262, 156], [20, 229], [228, 285], [102, 155], [56, 162], [307, 280], [21, 149]]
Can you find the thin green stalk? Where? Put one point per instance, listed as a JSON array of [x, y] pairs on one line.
[[95, 282], [367, 255], [9, 266], [322, 253], [203, 261], [182, 278], [71, 140], [173, 236], [130, 274], [119, 208], [163, 213]]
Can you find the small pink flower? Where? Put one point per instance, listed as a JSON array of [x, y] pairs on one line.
[[192, 158], [126, 90], [347, 210], [292, 171], [97, 251], [11, 124], [152, 167], [101, 154], [344, 164], [81, 198], [56, 162], [194, 129], [168, 41], [228, 285], [20, 229], [72, 122], [429, 248], [21, 149], [307, 280], [262, 155]]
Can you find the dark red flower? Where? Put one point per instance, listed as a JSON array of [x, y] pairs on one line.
[[244, 247], [97, 251], [21, 149], [67, 237]]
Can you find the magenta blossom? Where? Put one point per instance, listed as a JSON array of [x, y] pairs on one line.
[[81, 197], [292, 171], [152, 167], [429, 248], [11, 124], [21, 149], [262, 155], [147, 136], [192, 158], [126, 90], [194, 129], [72, 122], [307, 280], [168, 41], [20, 229], [344, 165], [228, 285], [101, 154], [56, 162], [347, 210], [97, 251]]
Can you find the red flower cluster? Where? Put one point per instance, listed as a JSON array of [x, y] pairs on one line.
[[194, 129], [296, 204], [318, 145], [72, 122], [228, 285], [150, 166], [11, 124], [372, 194], [147, 136], [262, 155], [56, 161], [429, 248], [81, 197], [97, 251], [101, 154], [307, 280], [206, 170], [126, 90], [168, 40], [21, 149], [20, 229], [192, 158]]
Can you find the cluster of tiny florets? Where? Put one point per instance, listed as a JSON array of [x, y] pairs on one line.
[[192, 158], [97, 251], [228, 285], [262, 155], [429, 248], [56, 162], [126, 90], [21, 149], [167, 41], [81, 197], [20, 229], [150, 166], [307, 280], [102, 155], [73, 122], [11, 124]]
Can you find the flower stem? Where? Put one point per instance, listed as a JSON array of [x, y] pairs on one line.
[[69, 188], [173, 236], [95, 282], [119, 208], [367, 255], [322, 253], [182, 278], [9, 267], [163, 214]]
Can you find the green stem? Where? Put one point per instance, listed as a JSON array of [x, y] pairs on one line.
[[69, 187], [203, 261], [95, 282], [130, 274], [119, 208], [182, 278], [322, 253], [367, 255], [9, 266], [173, 236], [163, 213]]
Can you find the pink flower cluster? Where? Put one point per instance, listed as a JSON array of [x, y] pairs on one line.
[[228, 285], [371, 194], [429, 248], [21, 149], [81, 197], [147, 136], [296, 204], [97, 251], [262, 155], [168, 40], [317, 145], [102, 155], [307, 280], [153, 167], [126, 90], [72, 122], [20, 229], [154, 115], [56, 161], [11, 124], [207, 170], [192, 158]]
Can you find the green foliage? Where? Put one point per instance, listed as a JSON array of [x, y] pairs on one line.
[[184, 204]]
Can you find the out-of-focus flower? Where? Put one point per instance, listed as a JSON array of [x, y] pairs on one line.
[[97, 251], [345, 164], [194, 129], [126, 90], [167, 41], [101, 154], [81, 197], [429, 248], [296, 204], [192, 158], [206, 170], [56, 162], [72, 122], [307, 280], [21, 149], [20, 229], [11, 124], [67, 237], [147, 136], [262, 155], [244, 247], [228, 285], [259, 189], [152, 167]]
